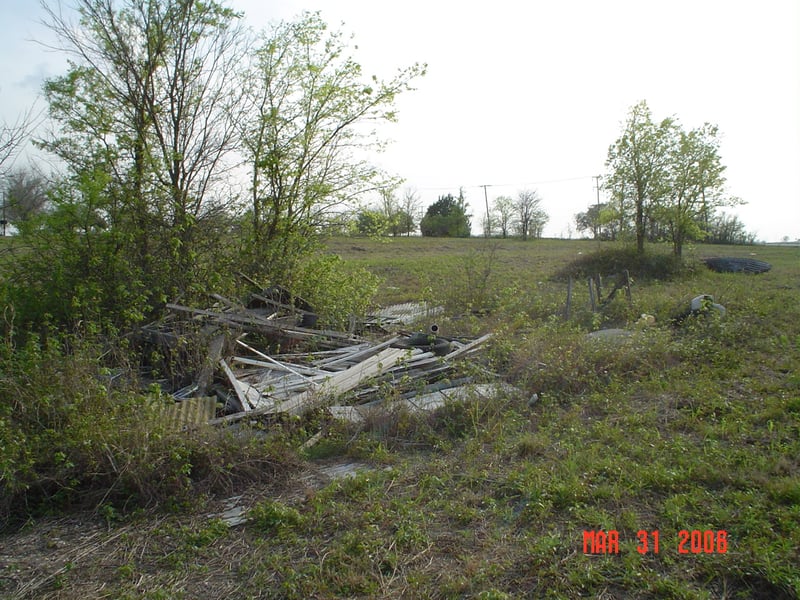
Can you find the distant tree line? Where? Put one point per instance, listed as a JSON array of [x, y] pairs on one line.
[[524, 216], [449, 217]]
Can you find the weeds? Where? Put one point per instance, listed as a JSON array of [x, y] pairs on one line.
[[690, 426]]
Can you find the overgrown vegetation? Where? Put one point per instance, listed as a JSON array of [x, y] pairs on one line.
[[687, 424], [73, 435], [676, 427]]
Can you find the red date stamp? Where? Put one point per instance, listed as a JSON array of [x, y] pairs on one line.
[[694, 541]]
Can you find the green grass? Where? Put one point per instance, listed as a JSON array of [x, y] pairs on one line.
[[690, 427]]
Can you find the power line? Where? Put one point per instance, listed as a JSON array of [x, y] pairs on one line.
[[482, 185]]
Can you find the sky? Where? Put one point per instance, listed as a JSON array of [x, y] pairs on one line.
[[530, 95]]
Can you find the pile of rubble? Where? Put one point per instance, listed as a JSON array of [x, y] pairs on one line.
[[242, 378]]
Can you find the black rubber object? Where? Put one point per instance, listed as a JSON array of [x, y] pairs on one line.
[[425, 341], [737, 265]]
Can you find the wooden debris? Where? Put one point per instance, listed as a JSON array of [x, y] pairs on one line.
[[255, 383], [403, 314]]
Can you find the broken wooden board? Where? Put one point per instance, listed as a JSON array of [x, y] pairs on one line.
[[249, 396], [423, 402], [334, 384], [402, 314], [346, 380]]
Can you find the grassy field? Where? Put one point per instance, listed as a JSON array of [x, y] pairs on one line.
[[686, 434]]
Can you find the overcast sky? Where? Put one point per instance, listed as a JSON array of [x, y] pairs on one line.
[[529, 95]]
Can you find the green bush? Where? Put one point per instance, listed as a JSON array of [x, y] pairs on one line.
[[657, 263], [68, 437], [337, 291]]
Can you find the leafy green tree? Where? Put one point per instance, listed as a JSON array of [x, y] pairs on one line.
[[589, 220], [694, 185], [372, 223], [446, 217], [402, 223], [145, 103], [601, 219], [638, 163], [670, 179], [306, 115]]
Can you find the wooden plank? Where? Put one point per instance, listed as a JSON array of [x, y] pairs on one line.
[[359, 355], [206, 374], [469, 347], [335, 384], [237, 386], [344, 381]]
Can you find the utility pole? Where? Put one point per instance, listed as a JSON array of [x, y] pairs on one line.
[[595, 225], [597, 187], [488, 232]]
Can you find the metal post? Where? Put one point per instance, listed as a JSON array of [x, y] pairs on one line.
[[569, 298]]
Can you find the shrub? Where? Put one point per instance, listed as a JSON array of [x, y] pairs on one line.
[[68, 437], [654, 264], [336, 290]]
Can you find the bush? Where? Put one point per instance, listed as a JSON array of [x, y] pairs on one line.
[[654, 264], [68, 437], [337, 291]]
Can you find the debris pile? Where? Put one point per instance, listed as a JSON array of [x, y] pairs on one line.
[[266, 357]]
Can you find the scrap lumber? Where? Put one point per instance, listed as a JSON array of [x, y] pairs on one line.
[[402, 314], [206, 374], [258, 383], [249, 397], [468, 348], [336, 383], [422, 402], [250, 320], [345, 380]]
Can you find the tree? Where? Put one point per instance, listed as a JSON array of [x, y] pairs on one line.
[[503, 214], [728, 229], [12, 137], [531, 218], [589, 220], [446, 217], [601, 219], [670, 179], [303, 126], [410, 211], [694, 184], [146, 100], [638, 163], [398, 221], [26, 194], [539, 220], [372, 223]]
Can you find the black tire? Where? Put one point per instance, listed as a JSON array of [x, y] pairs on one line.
[[737, 265]]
